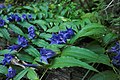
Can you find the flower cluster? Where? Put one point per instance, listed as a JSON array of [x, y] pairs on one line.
[[2, 22], [22, 42], [62, 36], [116, 49], [7, 59], [14, 17], [31, 32], [11, 73], [46, 54], [17, 18]]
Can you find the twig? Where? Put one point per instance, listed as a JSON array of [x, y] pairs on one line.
[[109, 4], [43, 74]]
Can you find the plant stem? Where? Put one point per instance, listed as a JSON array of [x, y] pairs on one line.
[[43, 74]]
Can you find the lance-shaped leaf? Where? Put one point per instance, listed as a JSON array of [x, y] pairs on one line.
[[88, 30], [66, 61]]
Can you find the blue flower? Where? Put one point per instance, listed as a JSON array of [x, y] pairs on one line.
[[14, 47], [116, 49], [11, 73], [2, 22], [46, 54], [24, 16], [58, 39], [14, 17], [7, 59], [11, 17], [17, 18], [30, 17], [31, 32], [2, 6], [22, 41]]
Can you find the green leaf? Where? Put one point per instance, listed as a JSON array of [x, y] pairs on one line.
[[32, 51], [95, 47], [66, 61], [41, 23], [5, 51], [1, 58], [16, 29], [109, 37], [86, 55], [32, 75], [79, 53], [88, 30], [3, 69], [5, 33], [40, 42], [25, 57], [21, 74], [45, 36], [106, 75], [53, 29], [25, 24]]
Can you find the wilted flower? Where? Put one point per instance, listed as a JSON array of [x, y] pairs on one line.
[[11, 73], [46, 54], [2, 22], [22, 41], [14, 47], [7, 59], [31, 32]]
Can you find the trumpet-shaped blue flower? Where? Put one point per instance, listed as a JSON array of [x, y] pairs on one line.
[[31, 32], [11, 73], [24, 16], [7, 59], [46, 54], [30, 17], [14, 17], [2, 6], [62, 36], [58, 39], [2, 22], [116, 49], [22, 41], [14, 47]]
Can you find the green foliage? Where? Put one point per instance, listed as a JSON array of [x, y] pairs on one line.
[[105, 75], [61, 62], [50, 17]]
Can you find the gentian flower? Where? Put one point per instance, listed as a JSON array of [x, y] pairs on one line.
[[11, 73], [24, 16], [2, 22], [62, 36], [31, 32], [2, 6], [116, 50], [7, 59], [30, 16], [17, 18], [58, 39], [11, 18], [22, 41], [14, 47], [46, 54]]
